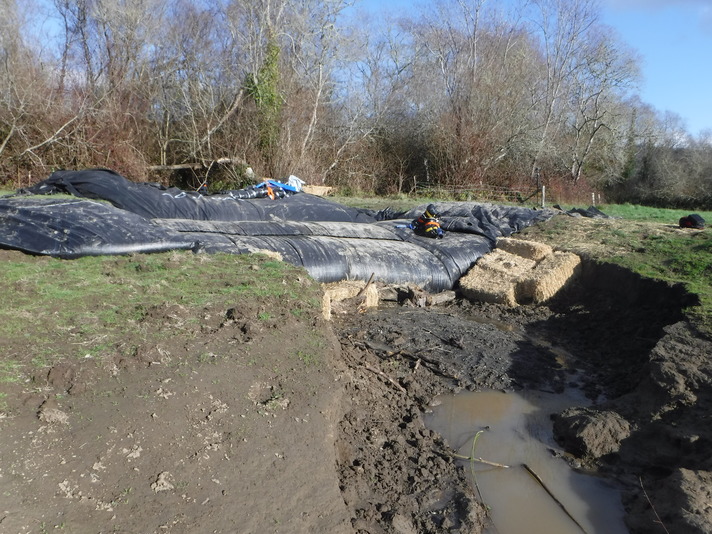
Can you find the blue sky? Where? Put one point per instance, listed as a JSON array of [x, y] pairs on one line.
[[673, 39]]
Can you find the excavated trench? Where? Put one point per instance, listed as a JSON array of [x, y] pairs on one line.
[[604, 348]]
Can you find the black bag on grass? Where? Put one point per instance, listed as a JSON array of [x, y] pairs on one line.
[[692, 221]]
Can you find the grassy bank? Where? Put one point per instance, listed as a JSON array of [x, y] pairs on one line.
[[648, 241], [94, 307]]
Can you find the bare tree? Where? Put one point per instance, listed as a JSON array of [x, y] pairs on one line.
[[605, 75], [11, 105], [313, 40], [30, 119], [460, 94], [563, 27]]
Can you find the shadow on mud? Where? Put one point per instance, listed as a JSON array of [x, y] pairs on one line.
[[601, 330], [609, 337], [596, 337]]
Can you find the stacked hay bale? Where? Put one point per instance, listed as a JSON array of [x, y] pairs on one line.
[[526, 249], [549, 277], [348, 297], [493, 276], [518, 272], [319, 190]]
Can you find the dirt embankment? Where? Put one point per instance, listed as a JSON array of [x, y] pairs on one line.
[[292, 424], [228, 428], [652, 432], [249, 422]]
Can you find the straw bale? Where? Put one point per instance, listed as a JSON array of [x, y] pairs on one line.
[[548, 278], [488, 285], [506, 262], [526, 249], [435, 299], [320, 190], [358, 294]]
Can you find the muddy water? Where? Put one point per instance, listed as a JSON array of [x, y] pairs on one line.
[[516, 431]]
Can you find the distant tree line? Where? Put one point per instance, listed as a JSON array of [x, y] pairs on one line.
[[462, 94]]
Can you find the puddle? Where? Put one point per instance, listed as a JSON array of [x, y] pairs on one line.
[[516, 431]]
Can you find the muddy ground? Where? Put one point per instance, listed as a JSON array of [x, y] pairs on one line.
[[303, 425], [619, 338]]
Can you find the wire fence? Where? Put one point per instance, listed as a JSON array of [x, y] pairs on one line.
[[540, 196], [479, 193]]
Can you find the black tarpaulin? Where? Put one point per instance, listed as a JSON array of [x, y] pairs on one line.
[[70, 228], [331, 241], [153, 201], [338, 251]]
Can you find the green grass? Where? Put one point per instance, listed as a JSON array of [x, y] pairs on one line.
[[308, 358], [10, 371], [91, 303], [643, 213], [685, 259], [139, 282], [647, 241]]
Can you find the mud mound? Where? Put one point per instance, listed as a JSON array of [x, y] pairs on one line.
[[222, 430], [395, 474], [619, 337]]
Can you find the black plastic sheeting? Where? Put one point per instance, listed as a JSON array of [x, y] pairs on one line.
[[592, 212], [152, 200], [337, 251], [71, 228], [331, 241]]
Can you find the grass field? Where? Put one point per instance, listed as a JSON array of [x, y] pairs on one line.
[[645, 240], [643, 213]]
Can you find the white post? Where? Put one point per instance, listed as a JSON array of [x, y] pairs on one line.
[[543, 196], [593, 199]]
